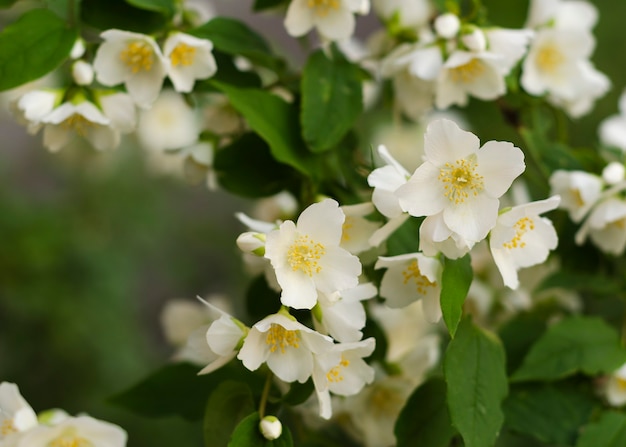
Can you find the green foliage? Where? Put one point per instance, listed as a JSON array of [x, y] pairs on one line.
[[425, 420], [37, 43], [7, 3], [120, 15], [261, 299], [608, 431], [247, 434], [331, 99], [260, 5], [518, 336], [474, 369], [574, 344], [166, 7], [228, 404], [455, 282]]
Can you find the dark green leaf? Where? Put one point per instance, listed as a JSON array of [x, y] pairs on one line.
[[474, 368], [455, 283], [549, 413], [166, 7], [247, 434], [228, 404], [609, 431], [331, 99], [298, 392], [518, 335], [585, 344], [228, 73], [405, 238], [120, 15], [275, 120], [597, 284], [261, 299], [424, 420], [246, 167], [7, 3], [260, 5], [37, 43]]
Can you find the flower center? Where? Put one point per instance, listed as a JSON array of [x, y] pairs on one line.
[[334, 375], [182, 55], [280, 338], [460, 180], [578, 198], [7, 428], [345, 228], [522, 226], [323, 7], [549, 58], [138, 56], [621, 383], [70, 441], [78, 124], [422, 283], [304, 255], [468, 72]]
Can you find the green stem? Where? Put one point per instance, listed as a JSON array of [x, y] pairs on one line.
[[266, 393]]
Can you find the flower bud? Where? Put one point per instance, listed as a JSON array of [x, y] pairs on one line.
[[251, 242], [78, 49], [82, 72], [271, 428], [475, 40], [613, 173], [447, 25]]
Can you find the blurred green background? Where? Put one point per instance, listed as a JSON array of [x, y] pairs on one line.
[[93, 245]]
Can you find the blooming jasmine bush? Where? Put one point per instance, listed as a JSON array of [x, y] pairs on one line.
[[440, 292]]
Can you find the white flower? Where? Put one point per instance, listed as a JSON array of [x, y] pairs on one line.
[[198, 164], [334, 19], [436, 237], [577, 15], [119, 108], [409, 13], [16, 415], [169, 124], [613, 129], [356, 229], [411, 277], [509, 45], [285, 345], [615, 387], [271, 427], [342, 371], [447, 25], [307, 257], [460, 180], [83, 119], [613, 173], [475, 40], [76, 431], [132, 59], [579, 191], [82, 72], [521, 238], [606, 226], [33, 106], [190, 58]]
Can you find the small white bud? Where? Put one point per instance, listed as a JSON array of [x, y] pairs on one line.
[[447, 25], [475, 40], [251, 242], [613, 173], [78, 49], [82, 72], [270, 427]]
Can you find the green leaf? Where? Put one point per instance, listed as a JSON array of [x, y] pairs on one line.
[[7, 3], [598, 284], [261, 299], [247, 434], [331, 99], [585, 344], [228, 404], [518, 335], [298, 393], [166, 7], [455, 283], [275, 120], [228, 73], [37, 43], [425, 420], [260, 5], [246, 167], [609, 431], [474, 369], [119, 14], [548, 413]]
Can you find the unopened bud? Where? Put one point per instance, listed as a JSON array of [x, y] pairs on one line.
[[271, 428], [251, 242], [78, 49], [613, 173], [447, 25], [82, 72], [475, 40]]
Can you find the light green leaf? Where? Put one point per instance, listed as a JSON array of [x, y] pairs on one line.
[[424, 420], [609, 431], [585, 344], [166, 7], [247, 434], [474, 369], [331, 99], [455, 283], [37, 43], [275, 120], [549, 413], [228, 404]]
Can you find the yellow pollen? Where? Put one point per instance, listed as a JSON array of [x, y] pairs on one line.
[[522, 226], [345, 228], [549, 58], [70, 441], [304, 255], [334, 375], [578, 198], [280, 338], [468, 72], [621, 383], [77, 123], [182, 55], [323, 7], [7, 427], [461, 180], [422, 283], [619, 224], [138, 56]]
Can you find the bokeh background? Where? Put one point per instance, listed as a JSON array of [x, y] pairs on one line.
[[93, 245]]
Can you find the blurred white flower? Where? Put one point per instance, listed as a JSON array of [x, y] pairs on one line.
[[76, 431], [409, 14], [613, 173], [190, 59], [333, 19], [16, 415], [615, 387], [447, 25], [613, 129], [356, 229], [579, 191], [30, 108], [119, 108], [82, 72], [606, 226]]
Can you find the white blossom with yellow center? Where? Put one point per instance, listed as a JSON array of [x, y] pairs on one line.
[[333, 19], [459, 185], [16, 415], [521, 238], [81, 431], [307, 256], [134, 60], [579, 191], [615, 387], [606, 225], [189, 58], [286, 345]]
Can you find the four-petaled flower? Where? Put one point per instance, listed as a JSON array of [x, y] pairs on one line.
[[190, 58], [334, 19]]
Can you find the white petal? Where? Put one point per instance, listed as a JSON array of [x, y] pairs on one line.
[[499, 162], [445, 142], [338, 24], [299, 18]]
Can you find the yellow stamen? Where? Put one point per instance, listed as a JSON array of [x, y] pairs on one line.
[[334, 374], [70, 441], [461, 180], [621, 383], [549, 58], [138, 56], [522, 226], [7, 427], [183, 55], [77, 123], [304, 255], [279, 337], [468, 72], [323, 7], [345, 228], [578, 198], [421, 282]]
